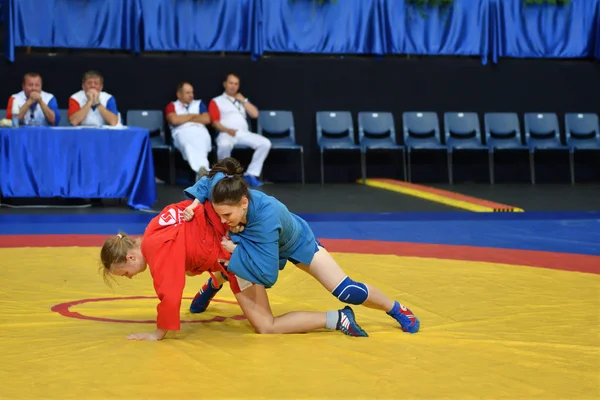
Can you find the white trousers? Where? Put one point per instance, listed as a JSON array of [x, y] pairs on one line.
[[194, 145], [260, 144]]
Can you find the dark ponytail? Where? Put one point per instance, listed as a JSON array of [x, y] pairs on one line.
[[232, 188]]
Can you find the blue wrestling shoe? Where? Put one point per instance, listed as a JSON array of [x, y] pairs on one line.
[[405, 318], [348, 325], [252, 181], [203, 297]]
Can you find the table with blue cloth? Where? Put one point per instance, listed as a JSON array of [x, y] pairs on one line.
[[78, 162]]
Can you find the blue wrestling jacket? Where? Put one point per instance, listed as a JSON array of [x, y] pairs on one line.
[[271, 236]]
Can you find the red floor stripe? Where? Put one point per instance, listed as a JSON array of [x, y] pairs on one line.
[[542, 259], [52, 240], [532, 258]]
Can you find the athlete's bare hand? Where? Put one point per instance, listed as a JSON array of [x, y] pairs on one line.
[[228, 244], [188, 214], [152, 336]]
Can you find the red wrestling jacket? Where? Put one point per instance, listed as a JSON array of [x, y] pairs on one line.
[[172, 247]]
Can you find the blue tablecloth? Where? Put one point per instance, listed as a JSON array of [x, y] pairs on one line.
[[78, 163]]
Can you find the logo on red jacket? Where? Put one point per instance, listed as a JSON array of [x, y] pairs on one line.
[[169, 218]]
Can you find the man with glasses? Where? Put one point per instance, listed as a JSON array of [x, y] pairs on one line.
[[36, 107]]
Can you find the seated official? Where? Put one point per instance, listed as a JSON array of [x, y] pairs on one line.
[[91, 106], [36, 107], [187, 120]]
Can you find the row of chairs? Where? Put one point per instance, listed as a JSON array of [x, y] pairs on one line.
[[462, 131], [421, 132]]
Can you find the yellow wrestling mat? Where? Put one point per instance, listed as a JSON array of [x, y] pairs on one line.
[[487, 331]]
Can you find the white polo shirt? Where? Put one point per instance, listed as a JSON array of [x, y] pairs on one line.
[[229, 111], [93, 117], [179, 108], [35, 115]]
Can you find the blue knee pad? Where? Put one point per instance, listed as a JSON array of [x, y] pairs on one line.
[[351, 292]]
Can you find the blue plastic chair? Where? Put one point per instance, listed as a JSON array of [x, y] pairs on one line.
[[542, 133], [421, 131], [335, 131], [153, 121], [377, 131], [582, 134], [502, 133], [462, 132], [278, 127]]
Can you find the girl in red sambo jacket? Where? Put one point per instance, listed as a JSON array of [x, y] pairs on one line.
[[172, 248]]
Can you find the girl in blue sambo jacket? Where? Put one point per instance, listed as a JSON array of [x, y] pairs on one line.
[[264, 235]]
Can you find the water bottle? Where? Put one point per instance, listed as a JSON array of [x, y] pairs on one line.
[[15, 114]]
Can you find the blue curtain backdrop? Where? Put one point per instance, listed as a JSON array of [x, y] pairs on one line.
[[484, 28], [198, 25], [304, 26], [458, 29], [546, 31], [80, 24]]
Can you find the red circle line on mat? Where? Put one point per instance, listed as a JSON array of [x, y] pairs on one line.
[[64, 309]]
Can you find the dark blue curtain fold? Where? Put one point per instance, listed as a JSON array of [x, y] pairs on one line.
[[458, 29], [596, 33], [198, 25], [74, 24], [305, 26], [549, 31], [256, 40], [3, 6], [7, 23]]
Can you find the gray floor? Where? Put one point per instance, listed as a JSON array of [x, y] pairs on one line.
[[356, 198], [348, 198], [541, 197]]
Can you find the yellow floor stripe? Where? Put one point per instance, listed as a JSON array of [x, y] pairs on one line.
[[430, 196]]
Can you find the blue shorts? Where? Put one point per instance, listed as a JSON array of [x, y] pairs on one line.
[[317, 244]]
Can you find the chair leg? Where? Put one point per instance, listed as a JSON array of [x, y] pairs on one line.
[[171, 167], [491, 167], [302, 163], [532, 167], [404, 164], [322, 172], [572, 165], [363, 166], [408, 167], [450, 174]]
